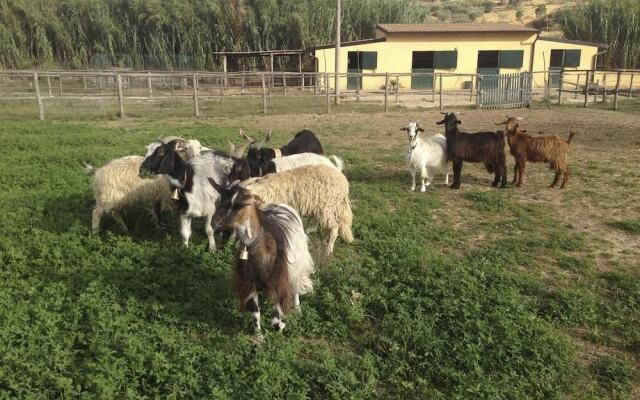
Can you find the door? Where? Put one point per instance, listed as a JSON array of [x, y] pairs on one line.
[[422, 62], [354, 81], [556, 64]]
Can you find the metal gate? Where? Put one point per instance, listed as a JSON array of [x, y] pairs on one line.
[[504, 90]]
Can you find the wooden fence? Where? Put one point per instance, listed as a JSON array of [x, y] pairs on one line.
[[126, 88]]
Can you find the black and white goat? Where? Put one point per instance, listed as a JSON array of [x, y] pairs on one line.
[[195, 196], [428, 155], [484, 147], [304, 141], [273, 256]]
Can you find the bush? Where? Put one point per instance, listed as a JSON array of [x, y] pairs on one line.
[[519, 14], [488, 6], [541, 10]]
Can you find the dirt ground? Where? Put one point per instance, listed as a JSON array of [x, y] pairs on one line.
[[604, 186]]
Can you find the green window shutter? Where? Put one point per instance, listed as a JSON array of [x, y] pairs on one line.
[[445, 59], [572, 58], [369, 59], [511, 58]]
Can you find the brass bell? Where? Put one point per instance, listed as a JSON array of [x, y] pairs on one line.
[[244, 254], [174, 195]]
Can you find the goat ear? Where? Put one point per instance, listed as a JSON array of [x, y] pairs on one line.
[[440, 122], [458, 122], [419, 130], [523, 131], [404, 128]]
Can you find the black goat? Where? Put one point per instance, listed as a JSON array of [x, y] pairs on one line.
[[305, 141], [484, 147]]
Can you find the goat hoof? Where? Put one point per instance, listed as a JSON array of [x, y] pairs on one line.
[[258, 340], [278, 326], [423, 189]]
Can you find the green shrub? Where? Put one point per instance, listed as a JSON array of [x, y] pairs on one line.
[[613, 373]]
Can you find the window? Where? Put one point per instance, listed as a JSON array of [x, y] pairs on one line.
[[511, 58], [489, 59], [445, 59], [362, 60], [434, 59], [564, 58], [500, 59]]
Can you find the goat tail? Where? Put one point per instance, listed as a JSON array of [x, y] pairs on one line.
[[88, 168], [344, 223], [337, 162], [571, 135]]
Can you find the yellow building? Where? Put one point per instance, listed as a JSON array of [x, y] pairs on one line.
[[452, 48]]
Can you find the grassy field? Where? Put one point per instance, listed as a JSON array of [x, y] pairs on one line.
[[480, 293]]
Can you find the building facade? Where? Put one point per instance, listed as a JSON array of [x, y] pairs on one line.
[[452, 48]]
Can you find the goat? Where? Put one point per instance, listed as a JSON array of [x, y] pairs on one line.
[[273, 256], [242, 168], [315, 191], [484, 147], [117, 186], [304, 141], [188, 179], [523, 147], [425, 155]]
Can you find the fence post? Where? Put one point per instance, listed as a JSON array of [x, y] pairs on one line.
[[171, 83], [49, 85], [38, 98], [120, 97], [604, 87], [386, 92], [60, 84], [284, 83], [586, 89], [440, 88], [631, 85], [560, 87], [149, 84], [397, 87], [575, 92], [595, 92], [326, 83], [264, 95], [433, 88], [478, 80], [615, 95], [471, 91], [196, 109], [242, 83], [359, 79]]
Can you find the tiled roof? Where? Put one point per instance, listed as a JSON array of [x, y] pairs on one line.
[[454, 28]]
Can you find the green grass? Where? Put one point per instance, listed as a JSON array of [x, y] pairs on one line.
[[631, 226], [409, 310]]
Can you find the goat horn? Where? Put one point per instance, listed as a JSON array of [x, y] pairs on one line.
[[500, 123], [266, 139], [232, 148], [519, 118], [246, 137], [240, 151]]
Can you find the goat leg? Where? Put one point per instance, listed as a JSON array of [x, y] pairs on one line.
[[457, 171], [565, 178], [556, 178]]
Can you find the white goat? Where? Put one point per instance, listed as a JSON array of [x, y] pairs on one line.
[[195, 196], [298, 160], [315, 191], [117, 186], [427, 155]]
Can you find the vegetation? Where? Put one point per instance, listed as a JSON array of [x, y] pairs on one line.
[[417, 307], [177, 34], [614, 22]]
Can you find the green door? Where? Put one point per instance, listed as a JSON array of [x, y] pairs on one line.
[[354, 81], [422, 81], [554, 77]]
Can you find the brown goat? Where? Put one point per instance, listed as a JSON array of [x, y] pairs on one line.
[[523, 147]]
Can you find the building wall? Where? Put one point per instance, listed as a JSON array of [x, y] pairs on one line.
[[395, 55], [542, 58]]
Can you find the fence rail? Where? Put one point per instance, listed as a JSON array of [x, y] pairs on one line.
[[198, 88]]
